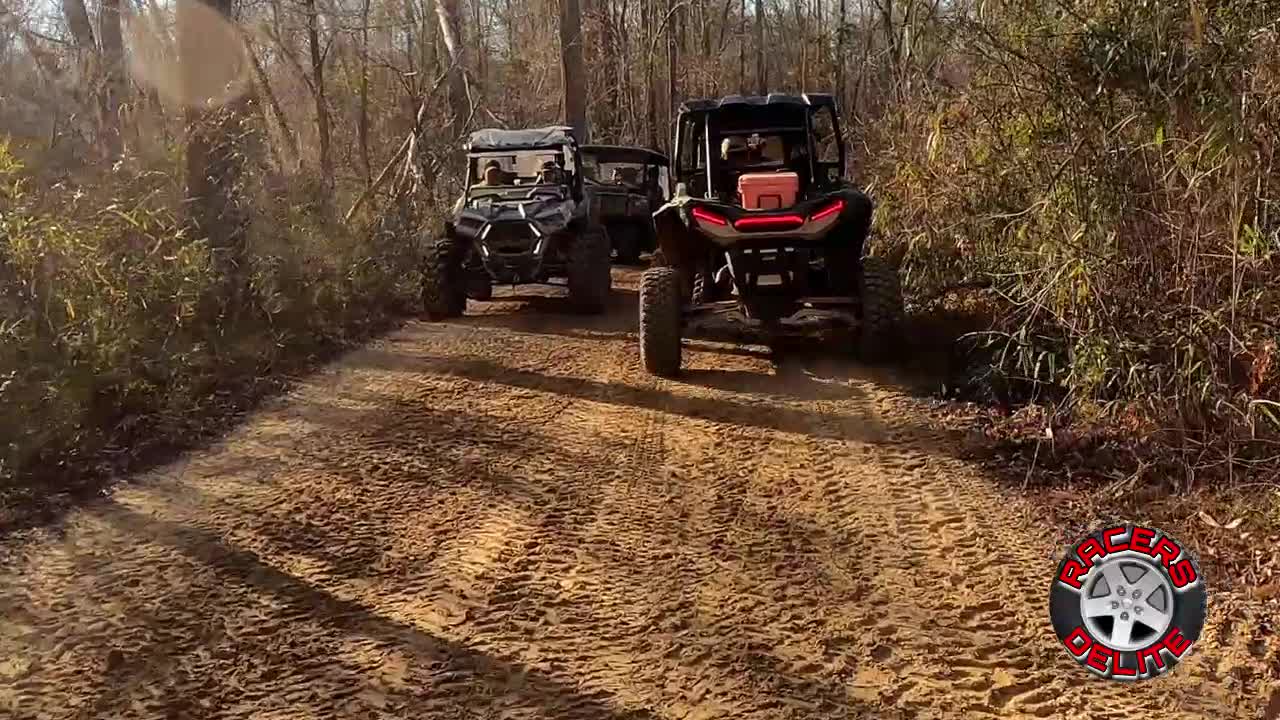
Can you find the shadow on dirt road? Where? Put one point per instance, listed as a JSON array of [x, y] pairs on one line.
[[503, 516]]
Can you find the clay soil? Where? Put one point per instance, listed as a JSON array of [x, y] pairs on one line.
[[503, 516]]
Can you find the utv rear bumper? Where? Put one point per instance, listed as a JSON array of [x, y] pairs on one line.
[[726, 321]]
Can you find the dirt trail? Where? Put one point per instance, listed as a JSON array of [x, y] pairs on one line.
[[502, 516]]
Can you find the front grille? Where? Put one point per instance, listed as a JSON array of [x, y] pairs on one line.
[[510, 238]]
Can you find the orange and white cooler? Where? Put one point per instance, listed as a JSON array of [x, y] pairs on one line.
[[768, 191]]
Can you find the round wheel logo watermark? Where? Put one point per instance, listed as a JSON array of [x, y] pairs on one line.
[[1128, 602]]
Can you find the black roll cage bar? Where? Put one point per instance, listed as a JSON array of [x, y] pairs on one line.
[[708, 110]]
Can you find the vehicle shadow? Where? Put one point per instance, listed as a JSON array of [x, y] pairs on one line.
[[788, 381], [753, 408], [463, 677], [550, 312], [300, 617]]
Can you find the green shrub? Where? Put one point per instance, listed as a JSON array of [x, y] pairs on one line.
[[103, 308], [1111, 172]]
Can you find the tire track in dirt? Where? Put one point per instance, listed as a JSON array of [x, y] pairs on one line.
[[974, 583], [503, 516]]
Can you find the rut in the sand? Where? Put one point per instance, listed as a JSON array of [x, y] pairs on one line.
[[502, 516]]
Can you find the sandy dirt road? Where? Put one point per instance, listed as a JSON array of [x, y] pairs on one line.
[[503, 516]]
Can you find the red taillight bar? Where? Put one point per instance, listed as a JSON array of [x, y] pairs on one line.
[[769, 222], [828, 211], [708, 217]]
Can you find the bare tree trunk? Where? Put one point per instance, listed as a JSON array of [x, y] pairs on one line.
[[113, 90], [451, 31], [78, 23], [762, 71], [317, 85], [214, 164], [626, 98], [363, 120], [651, 90], [286, 132], [673, 57], [804, 45], [84, 54], [742, 48], [711, 83], [842, 31], [572, 73], [891, 41], [481, 44], [410, 18]]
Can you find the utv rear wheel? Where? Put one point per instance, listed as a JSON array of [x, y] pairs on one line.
[[590, 277], [443, 290], [660, 321], [880, 296]]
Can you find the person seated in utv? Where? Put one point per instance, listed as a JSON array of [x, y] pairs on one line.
[[737, 156], [625, 176], [493, 175], [550, 174]]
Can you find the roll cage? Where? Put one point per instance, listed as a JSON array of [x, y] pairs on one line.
[[555, 139], [800, 123]]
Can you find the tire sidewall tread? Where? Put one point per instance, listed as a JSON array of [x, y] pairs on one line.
[[660, 321], [442, 288]]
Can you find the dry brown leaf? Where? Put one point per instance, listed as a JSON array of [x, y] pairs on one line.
[[1267, 592]]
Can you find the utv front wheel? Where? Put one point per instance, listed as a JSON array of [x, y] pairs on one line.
[[590, 277], [443, 291], [660, 321], [880, 295]]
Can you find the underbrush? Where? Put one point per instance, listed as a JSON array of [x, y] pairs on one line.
[[113, 339], [1104, 183]]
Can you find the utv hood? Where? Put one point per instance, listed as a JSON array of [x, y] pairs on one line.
[[547, 215]]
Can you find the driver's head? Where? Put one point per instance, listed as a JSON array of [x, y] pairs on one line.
[[493, 173], [736, 152], [550, 172]]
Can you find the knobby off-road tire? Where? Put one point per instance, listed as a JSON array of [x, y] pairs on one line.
[[660, 309], [880, 296], [692, 286], [443, 285], [590, 276]]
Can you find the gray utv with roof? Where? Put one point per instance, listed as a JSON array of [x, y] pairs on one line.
[[626, 186], [763, 235], [523, 219]]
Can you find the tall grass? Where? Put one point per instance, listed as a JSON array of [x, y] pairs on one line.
[[110, 325], [1110, 170]]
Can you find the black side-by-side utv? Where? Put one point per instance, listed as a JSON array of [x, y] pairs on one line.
[[626, 186], [523, 218], [763, 235]]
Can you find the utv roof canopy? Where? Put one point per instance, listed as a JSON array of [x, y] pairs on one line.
[[753, 101], [625, 154], [552, 136]]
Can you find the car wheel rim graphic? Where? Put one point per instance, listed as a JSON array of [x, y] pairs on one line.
[[1127, 604]]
